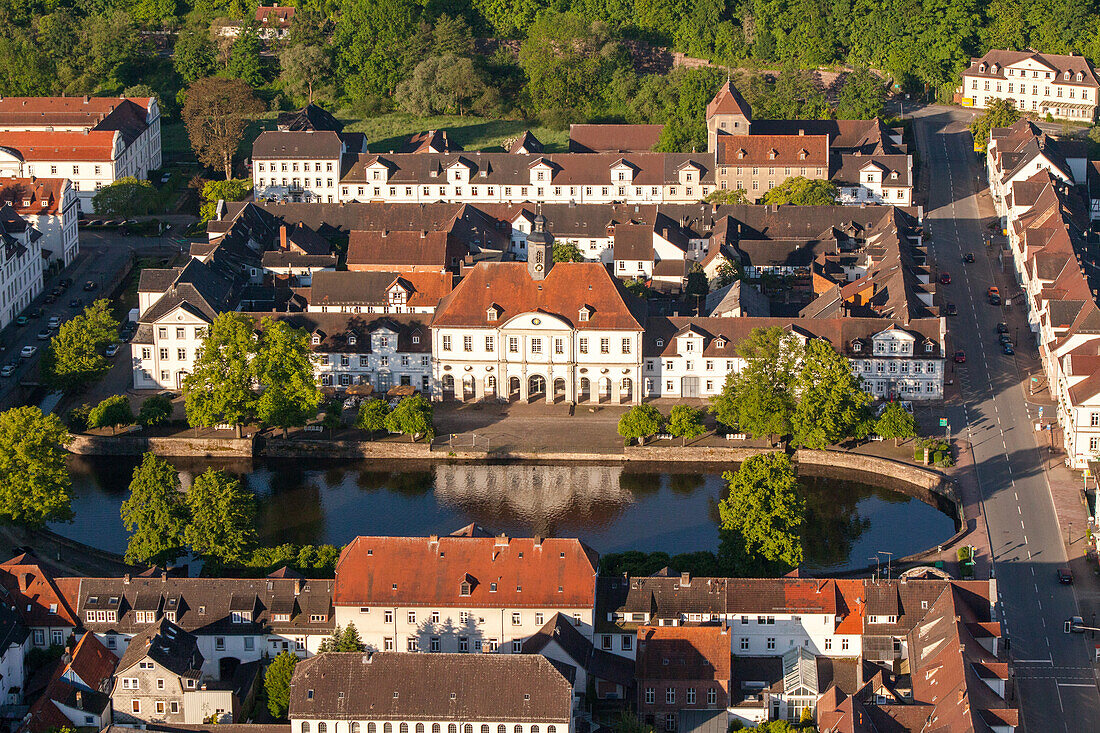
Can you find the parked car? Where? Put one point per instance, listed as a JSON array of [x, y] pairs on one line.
[[112, 349], [1002, 327], [76, 303], [960, 357], [1065, 576], [7, 370], [35, 312], [1007, 348], [45, 334], [54, 321], [50, 299], [28, 351], [993, 290], [952, 309], [994, 300], [65, 282], [1077, 624], [22, 321], [945, 278], [90, 286], [968, 257], [57, 291]]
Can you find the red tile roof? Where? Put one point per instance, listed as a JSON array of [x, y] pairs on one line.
[[75, 146], [684, 653], [47, 110], [512, 572], [44, 194], [33, 591], [613, 138], [773, 150], [728, 101], [396, 249], [91, 662], [568, 287]]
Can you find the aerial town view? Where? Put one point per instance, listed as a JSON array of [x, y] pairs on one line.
[[383, 366]]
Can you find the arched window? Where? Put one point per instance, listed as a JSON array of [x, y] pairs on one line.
[[551, 729], [305, 726], [371, 728], [435, 727], [387, 728], [484, 728], [404, 728], [534, 729], [502, 728], [452, 728], [419, 728], [355, 728], [467, 728], [519, 729], [322, 728]]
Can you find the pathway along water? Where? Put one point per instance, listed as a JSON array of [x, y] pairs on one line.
[[611, 507]]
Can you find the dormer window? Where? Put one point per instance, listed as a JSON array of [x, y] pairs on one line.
[[464, 588], [741, 153], [929, 347], [660, 342], [316, 340], [492, 314], [352, 340], [993, 69], [1080, 76], [1066, 76], [981, 67], [773, 154], [241, 617], [584, 314], [803, 154], [720, 343], [44, 202], [894, 175], [857, 346], [26, 202]]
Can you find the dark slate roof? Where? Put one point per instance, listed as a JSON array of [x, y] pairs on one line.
[[323, 144], [517, 688], [166, 644], [310, 117]]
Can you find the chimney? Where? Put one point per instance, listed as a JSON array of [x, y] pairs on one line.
[[126, 579], [423, 234], [801, 132], [282, 236], [385, 233], [298, 586], [501, 541], [538, 541], [25, 580], [685, 579], [79, 700]]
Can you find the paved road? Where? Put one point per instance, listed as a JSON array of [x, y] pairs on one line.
[[1054, 671]]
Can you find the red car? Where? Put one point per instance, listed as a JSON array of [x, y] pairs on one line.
[[960, 357], [945, 278]]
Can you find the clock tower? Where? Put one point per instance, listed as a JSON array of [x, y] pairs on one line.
[[540, 249]]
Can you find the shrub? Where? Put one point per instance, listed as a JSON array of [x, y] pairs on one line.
[[78, 417]]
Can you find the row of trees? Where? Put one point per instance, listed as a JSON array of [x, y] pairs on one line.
[[214, 519], [413, 416], [641, 421]]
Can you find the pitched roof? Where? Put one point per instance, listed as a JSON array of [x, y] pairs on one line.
[[728, 101], [1059, 63], [43, 194], [773, 150], [613, 138], [37, 145], [166, 644], [683, 653], [425, 289], [91, 662], [517, 688], [127, 116], [567, 288], [310, 117], [381, 248], [512, 572], [304, 144], [34, 593], [561, 630]]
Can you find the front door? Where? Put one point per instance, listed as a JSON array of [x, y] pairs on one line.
[[689, 387]]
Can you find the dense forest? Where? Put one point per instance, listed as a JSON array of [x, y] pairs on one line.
[[559, 61]]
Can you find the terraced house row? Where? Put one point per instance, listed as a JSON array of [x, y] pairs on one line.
[[489, 630], [313, 160], [468, 303]]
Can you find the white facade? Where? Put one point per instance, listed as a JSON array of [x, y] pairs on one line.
[[297, 180], [21, 267], [537, 355], [169, 357], [55, 219], [384, 366], [877, 185], [1034, 85]]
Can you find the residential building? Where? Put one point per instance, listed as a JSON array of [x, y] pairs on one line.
[[467, 592], [78, 694], [13, 647], [92, 141], [457, 693], [1019, 153], [538, 331], [40, 600], [681, 668], [758, 163], [229, 620], [50, 206], [382, 351], [1061, 86], [21, 264], [592, 671], [301, 165], [404, 252], [159, 679], [378, 292]]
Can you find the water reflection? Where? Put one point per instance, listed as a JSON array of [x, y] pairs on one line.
[[612, 507]]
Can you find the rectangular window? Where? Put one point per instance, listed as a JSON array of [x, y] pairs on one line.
[[516, 619], [387, 644], [513, 344], [135, 706], [446, 343], [559, 346], [39, 637], [583, 345], [691, 696], [536, 345], [489, 345], [464, 643], [626, 643], [467, 343], [771, 643], [670, 696], [517, 646], [434, 644], [626, 346], [605, 346], [650, 696], [219, 643], [387, 617], [412, 645], [712, 697], [412, 617]]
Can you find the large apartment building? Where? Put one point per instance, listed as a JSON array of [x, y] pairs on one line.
[[92, 141], [51, 206], [21, 263], [1061, 86]]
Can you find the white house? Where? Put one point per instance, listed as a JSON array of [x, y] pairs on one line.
[[52, 207], [1046, 84], [21, 264]]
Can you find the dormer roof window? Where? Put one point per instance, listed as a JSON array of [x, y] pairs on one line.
[[894, 175], [466, 587], [352, 339], [857, 346], [773, 154], [26, 202], [492, 313], [720, 343], [1066, 76], [1080, 76], [981, 67], [803, 154], [585, 313], [741, 153], [993, 69], [316, 340]]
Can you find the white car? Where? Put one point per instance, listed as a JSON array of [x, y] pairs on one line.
[[7, 370], [111, 350], [28, 351]]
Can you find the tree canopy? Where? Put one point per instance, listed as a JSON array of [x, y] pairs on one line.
[[285, 372], [832, 405], [155, 410], [862, 96], [762, 517], [155, 513], [74, 358], [802, 191], [216, 112], [760, 399], [896, 422], [277, 683], [1000, 113], [111, 412], [686, 422], [641, 421], [222, 518], [234, 189], [35, 486], [372, 415], [412, 417], [567, 252], [126, 197], [219, 388]]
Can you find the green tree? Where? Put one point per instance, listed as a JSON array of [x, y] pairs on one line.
[[111, 412], [35, 486], [1001, 113], [451, 35], [763, 515], [412, 417], [803, 192], [567, 252], [219, 388], [365, 36], [372, 416], [74, 358], [832, 405], [793, 95], [155, 410], [697, 285], [194, 56], [686, 422], [223, 518], [305, 69], [862, 96], [154, 514], [285, 373], [244, 59], [760, 399], [125, 197], [441, 85], [639, 422], [727, 273], [342, 640], [277, 678], [216, 113], [896, 422], [727, 197], [234, 189], [638, 288]]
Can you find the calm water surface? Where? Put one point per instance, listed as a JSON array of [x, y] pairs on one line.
[[611, 507]]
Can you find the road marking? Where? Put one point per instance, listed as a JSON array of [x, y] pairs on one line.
[[1048, 660], [1075, 684]]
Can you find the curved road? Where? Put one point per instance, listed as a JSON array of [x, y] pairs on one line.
[[1054, 671]]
